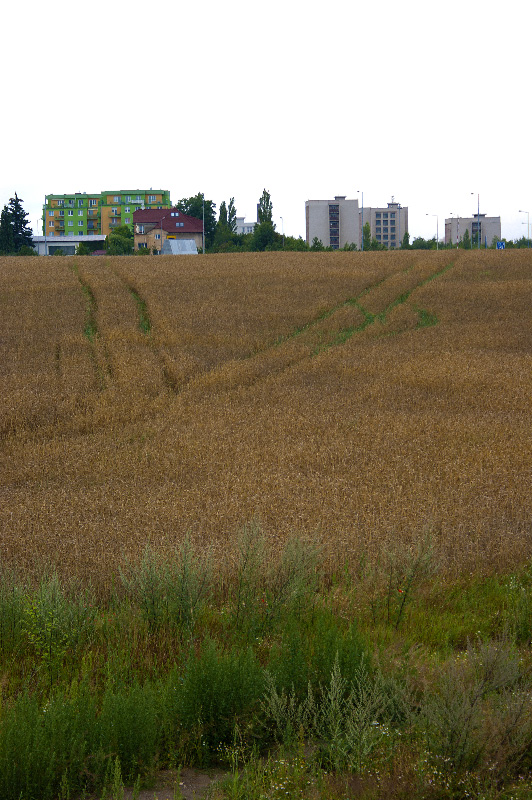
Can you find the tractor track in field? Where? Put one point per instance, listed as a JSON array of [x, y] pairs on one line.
[[247, 371]]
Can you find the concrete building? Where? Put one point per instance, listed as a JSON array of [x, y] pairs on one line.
[[387, 225], [83, 214], [153, 226], [48, 246], [244, 227], [489, 228], [334, 222]]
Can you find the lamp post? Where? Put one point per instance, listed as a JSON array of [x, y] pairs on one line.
[[203, 218], [478, 219], [527, 225], [282, 230], [362, 239], [437, 229], [161, 224]]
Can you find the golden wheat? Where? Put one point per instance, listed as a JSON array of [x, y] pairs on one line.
[[357, 398]]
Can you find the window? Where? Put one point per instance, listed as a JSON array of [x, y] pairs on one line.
[[378, 215], [116, 199], [113, 211], [142, 245], [80, 233], [128, 199], [61, 213], [80, 203], [139, 199], [127, 220], [51, 213], [93, 202], [157, 235], [51, 233], [152, 198], [127, 209], [141, 228], [80, 213], [70, 223], [70, 213], [180, 225], [174, 214], [392, 214], [51, 223], [80, 223]]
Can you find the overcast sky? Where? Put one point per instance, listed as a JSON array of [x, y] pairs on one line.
[[422, 101]]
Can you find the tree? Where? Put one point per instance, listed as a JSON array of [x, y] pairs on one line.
[[405, 244], [366, 236], [466, 240], [193, 206], [120, 242], [265, 208], [231, 215], [7, 244], [222, 216], [317, 244], [22, 233], [265, 237], [15, 232]]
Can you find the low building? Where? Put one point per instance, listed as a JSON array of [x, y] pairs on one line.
[[489, 229], [387, 225], [48, 246], [335, 223], [153, 226]]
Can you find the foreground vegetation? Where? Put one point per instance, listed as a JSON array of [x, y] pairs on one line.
[[369, 636], [388, 682]]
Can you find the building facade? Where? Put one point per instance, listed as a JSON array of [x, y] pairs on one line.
[[244, 227], [387, 225], [82, 214], [153, 226], [489, 228], [335, 223]]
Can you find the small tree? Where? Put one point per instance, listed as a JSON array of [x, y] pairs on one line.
[[405, 244], [194, 207], [317, 244], [120, 242], [366, 236], [466, 240]]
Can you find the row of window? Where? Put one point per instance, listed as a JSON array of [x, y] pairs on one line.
[[384, 214]]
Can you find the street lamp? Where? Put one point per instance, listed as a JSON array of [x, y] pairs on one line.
[[282, 230], [457, 228], [478, 218], [528, 225], [437, 229], [362, 241]]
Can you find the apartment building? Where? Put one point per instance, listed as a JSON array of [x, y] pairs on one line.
[[387, 225], [334, 223], [82, 214], [488, 228]]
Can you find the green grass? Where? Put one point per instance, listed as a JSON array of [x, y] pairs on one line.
[[359, 680]]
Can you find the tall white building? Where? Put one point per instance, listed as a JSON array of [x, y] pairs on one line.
[[387, 225], [489, 228], [334, 222]]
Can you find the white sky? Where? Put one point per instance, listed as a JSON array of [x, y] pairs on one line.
[[421, 100]]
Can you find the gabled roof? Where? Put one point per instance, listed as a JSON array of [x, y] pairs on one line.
[[172, 219]]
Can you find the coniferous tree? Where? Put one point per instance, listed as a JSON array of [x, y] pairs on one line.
[[22, 233], [7, 244], [265, 208]]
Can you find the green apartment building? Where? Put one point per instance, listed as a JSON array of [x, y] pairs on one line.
[[82, 214]]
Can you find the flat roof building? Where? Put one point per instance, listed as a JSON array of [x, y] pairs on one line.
[[387, 225], [334, 223], [489, 229]]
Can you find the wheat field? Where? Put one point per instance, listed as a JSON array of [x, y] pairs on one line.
[[358, 399]]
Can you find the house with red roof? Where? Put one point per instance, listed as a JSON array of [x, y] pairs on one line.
[[153, 226]]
